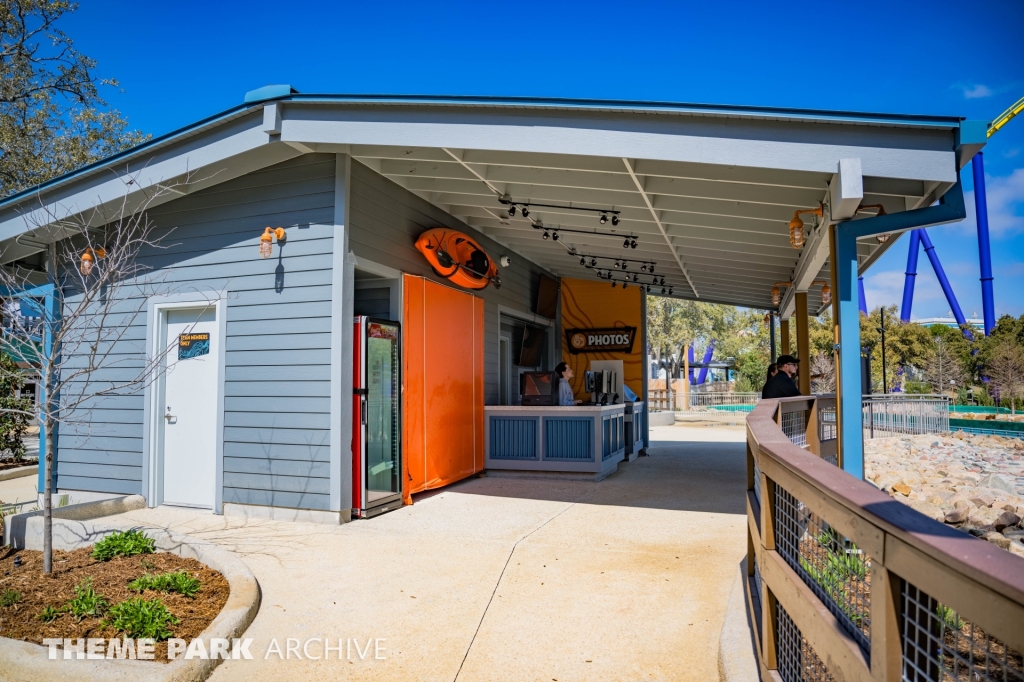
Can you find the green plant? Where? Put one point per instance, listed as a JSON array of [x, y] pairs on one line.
[[174, 581], [86, 602], [50, 614], [9, 598], [128, 543], [949, 617], [138, 618], [840, 566]]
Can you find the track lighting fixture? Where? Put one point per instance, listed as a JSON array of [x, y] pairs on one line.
[[554, 235], [632, 243], [652, 267], [648, 288], [643, 268], [662, 281], [670, 291], [593, 262], [546, 235], [625, 284], [511, 211], [604, 219], [625, 244], [526, 212], [663, 291], [583, 262], [636, 277], [615, 220], [613, 284], [625, 265], [616, 264]]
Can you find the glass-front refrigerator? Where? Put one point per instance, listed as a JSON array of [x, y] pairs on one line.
[[377, 427]]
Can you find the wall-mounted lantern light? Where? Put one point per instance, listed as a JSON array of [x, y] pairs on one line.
[[266, 240], [797, 234], [880, 238], [89, 257], [777, 292], [826, 291]]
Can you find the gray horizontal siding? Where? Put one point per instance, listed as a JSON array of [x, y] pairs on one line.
[[277, 391], [387, 219]]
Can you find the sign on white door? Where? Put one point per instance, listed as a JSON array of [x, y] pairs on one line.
[[190, 408]]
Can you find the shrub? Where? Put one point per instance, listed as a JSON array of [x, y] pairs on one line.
[[128, 543], [86, 602], [142, 618], [174, 581], [50, 614], [9, 598]]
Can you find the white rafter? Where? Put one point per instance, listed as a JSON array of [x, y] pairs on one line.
[[657, 220]]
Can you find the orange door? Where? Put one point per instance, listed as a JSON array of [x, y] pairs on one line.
[[443, 397]]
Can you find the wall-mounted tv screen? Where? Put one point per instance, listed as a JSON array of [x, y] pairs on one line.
[[547, 297], [533, 344]]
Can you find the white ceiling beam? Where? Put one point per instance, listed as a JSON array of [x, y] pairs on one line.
[[657, 220], [846, 189]]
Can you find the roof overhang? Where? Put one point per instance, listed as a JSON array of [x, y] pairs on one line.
[[706, 191]]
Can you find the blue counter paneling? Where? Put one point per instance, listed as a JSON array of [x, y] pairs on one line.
[[569, 438], [514, 438]]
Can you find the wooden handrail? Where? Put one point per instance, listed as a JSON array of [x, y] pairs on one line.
[[980, 581]]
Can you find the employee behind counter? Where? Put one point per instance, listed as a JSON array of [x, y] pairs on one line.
[[565, 394]]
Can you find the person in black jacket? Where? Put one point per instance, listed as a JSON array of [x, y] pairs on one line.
[[782, 385]]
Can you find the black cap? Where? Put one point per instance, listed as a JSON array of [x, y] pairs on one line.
[[786, 359]]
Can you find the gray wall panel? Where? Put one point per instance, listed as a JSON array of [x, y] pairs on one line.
[[277, 359]]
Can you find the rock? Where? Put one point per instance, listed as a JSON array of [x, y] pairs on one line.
[[1007, 518], [1009, 507], [1017, 548], [902, 488], [984, 516], [962, 504], [958, 515], [983, 500], [1014, 533], [997, 539], [929, 510]]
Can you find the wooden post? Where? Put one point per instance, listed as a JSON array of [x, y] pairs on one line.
[[784, 336], [803, 343]]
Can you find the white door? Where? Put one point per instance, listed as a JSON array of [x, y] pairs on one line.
[[190, 408]]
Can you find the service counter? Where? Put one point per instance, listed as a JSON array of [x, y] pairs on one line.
[[583, 439]]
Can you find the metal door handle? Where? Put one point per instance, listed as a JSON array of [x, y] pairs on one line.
[[362, 410]]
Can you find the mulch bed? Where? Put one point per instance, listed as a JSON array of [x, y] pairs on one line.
[[6, 464], [110, 579]]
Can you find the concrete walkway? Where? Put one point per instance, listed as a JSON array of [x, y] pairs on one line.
[[507, 579]]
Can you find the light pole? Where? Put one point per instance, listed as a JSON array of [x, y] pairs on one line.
[[881, 330]]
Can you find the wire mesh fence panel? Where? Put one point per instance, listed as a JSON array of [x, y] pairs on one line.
[[827, 425], [794, 425], [902, 414], [797, 661], [757, 483], [940, 646], [835, 569]]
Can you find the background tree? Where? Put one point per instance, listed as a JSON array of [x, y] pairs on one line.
[[52, 118], [944, 367], [906, 344], [15, 412], [1005, 368]]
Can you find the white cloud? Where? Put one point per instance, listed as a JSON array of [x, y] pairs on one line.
[[976, 91]]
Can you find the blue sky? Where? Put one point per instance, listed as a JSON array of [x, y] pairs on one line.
[[179, 62]]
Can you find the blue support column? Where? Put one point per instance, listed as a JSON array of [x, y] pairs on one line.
[[911, 275], [689, 356], [950, 209], [51, 319], [862, 300], [708, 354], [947, 288], [984, 248], [849, 351]]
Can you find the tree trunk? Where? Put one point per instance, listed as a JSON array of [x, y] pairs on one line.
[[48, 500]]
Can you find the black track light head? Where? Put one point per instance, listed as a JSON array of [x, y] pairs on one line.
[[625, 284], [615, 220], [648, 288], [546, 235], [554, 235], [511, 211], [663, 291], [613, 284], [636, 277], [583, 262], [643, 268], [593, 262], [625, 244], [604, 219], [526, 212], [652, 267], [670, 291], [632, 243]]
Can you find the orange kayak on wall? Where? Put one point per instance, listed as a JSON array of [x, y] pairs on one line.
[[458, 258]]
